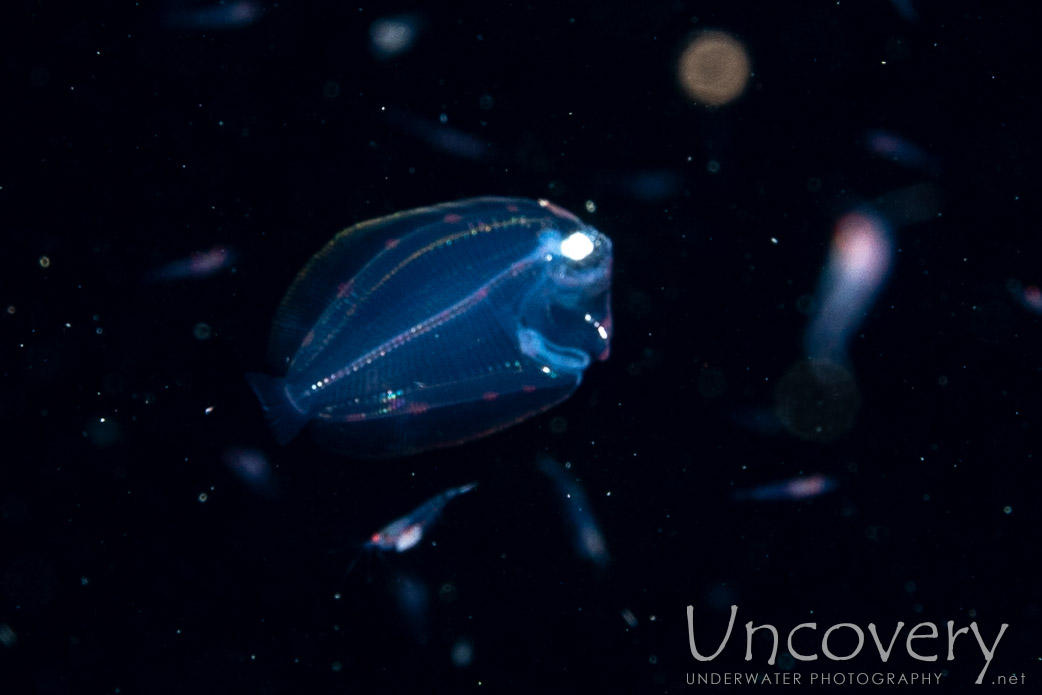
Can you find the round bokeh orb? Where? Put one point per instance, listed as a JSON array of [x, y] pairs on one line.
[[714, 69], [817, 400]]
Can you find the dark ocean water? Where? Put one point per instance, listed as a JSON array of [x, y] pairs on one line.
[[153, 536]]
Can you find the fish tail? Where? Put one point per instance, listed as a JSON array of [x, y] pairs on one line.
[[285, 418]]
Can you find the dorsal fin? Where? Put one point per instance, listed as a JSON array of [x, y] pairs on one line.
[[329, 270]]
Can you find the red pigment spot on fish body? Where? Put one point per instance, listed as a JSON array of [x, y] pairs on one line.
[[391, 243], [344, 288], [451, 218], [490, 395], [307, 339], [355, 417], [417, 408], [511, 208], [529, 389]]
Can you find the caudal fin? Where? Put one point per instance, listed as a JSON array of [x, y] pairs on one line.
[[285, 419]]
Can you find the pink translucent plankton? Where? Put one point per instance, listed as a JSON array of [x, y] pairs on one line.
[[858, 264], [1030, 298], [217, 15], [894, 148], [200, 264], [252, 467], [800, 488]]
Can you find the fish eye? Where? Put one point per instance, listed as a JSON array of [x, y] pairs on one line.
[[577, 246]]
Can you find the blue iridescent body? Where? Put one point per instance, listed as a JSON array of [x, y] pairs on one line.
[[439, 325]]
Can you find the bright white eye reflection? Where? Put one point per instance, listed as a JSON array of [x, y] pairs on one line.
[[577, 247]]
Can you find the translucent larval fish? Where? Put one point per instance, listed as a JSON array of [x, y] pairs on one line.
[[439, 325], [405, 532]]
